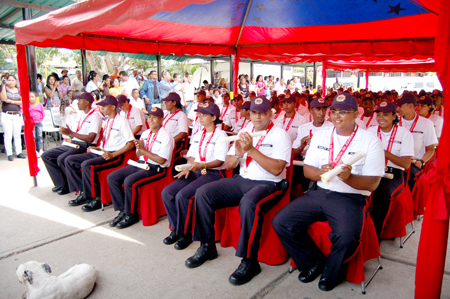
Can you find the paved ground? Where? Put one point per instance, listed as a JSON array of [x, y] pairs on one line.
[[37, 224]]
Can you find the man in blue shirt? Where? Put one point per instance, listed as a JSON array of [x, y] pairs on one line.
[[149, 93], [165, 85]]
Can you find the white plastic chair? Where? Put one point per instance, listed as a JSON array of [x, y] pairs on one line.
[[48, 127], [56, 116]]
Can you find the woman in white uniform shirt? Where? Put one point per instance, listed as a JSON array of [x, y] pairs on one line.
[[155, 149], [206, 155], [398, 145], [425, 108], [175, 121], [134, 115]]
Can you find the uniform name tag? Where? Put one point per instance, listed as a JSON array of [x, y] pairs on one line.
[[323, 148], [397, 141], [196, 141], [418, 132], [212, 143], [295, 127], [115, 129], [351, 153], [157, 141], [267, 145]]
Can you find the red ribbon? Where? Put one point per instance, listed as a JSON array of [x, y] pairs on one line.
[[261, 139]]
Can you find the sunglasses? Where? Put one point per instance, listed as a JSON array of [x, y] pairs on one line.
[[341, 112]]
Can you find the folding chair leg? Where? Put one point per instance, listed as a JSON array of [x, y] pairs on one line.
[[409, 235], [364, 284], [291, 269], [103, 207]]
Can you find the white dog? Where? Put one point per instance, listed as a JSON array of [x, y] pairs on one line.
[[75, 283]]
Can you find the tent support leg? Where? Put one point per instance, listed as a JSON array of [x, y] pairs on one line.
[[35, 181], [83, 66], [315, 76], [211, 66]]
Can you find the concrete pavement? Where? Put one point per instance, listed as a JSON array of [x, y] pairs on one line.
[[37, 224]]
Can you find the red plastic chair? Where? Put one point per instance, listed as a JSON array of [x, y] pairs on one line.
[[399, 215], [105, 195], [271, 250], [150, 206], [368, 249]]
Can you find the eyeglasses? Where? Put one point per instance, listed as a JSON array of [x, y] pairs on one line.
[[341, 112]]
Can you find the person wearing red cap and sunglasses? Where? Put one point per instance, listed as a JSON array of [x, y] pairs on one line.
[[341, 201]]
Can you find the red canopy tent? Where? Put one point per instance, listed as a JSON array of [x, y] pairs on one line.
[[283, 31]]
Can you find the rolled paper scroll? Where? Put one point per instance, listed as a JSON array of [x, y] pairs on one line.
[[182, 167], [138, 165], [100, 153], [298, 163], [236, 137], [329, 175], [71, 144]]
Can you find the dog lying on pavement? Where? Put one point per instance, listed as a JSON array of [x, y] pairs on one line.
[[75, 283]]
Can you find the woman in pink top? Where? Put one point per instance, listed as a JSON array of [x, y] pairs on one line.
[[37, 114], [260, 86]]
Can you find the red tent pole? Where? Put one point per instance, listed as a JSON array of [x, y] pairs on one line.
[[367, 80], [434, 236], [29, 123], [324, 78]]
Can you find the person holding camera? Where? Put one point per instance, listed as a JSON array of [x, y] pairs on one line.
[[11, 117], [54, 95]]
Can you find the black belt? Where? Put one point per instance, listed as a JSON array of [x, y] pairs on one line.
[[156, 167], [394, 171], [12, 112]]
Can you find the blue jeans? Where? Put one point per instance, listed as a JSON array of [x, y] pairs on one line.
[[189, 106], [38, 129]]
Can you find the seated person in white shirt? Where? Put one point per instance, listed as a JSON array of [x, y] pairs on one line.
[[341, 202], [129, 83], [244, 118], [398, 144], [206, 155], [137, 102], [227, 112], [275, 102], [422, 129], [425, 108], [86, 133], [134, 115], [301, 104], [290, 121], [368, 117], [263, 162], [117, 140], [154, 148], [438, 96], [175, 121]]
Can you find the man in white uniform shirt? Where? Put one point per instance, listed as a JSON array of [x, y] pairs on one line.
[[136, 101], [189, 93], [263, 162], [422, 129], [227, 112], [155, 149], [244, 118], [302, 106], [290, 121], [128, 83], [341, 202], [368, 117], [86, 133], [117, 140], [134, 115]]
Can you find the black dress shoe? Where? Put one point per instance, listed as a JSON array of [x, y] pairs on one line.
[[326, 284], [172, 238], [94, 205], [118, 218], [10, 158], [245, 272], [129, 220], [183, 242], [80, 200], [21, 156], [57, 188], [63, 191], [207, 251], [311, 273]]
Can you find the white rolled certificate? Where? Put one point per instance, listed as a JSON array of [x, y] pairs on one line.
[[100, 153], [138, 165], [71, 144], [328, 176], [389, 176], [298, 163], [236, 137], [182, 167]]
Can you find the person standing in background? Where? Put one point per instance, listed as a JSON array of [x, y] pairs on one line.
[[37, 114], [77, 83]]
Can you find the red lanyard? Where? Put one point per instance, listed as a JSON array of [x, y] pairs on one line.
[[261, 139], [165, 122], [277, 115], [370, 119], [343, 149], [429, 114], [391, 140], [149, 147], [310, 133], [107, 133], [225, 112], [128, 114], [413, 124], [310, 117], [289, 123], [81, 125], [243, 124], [203, 157]]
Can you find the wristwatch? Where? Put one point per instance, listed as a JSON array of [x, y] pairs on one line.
[[237, 156], [423, 163]]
